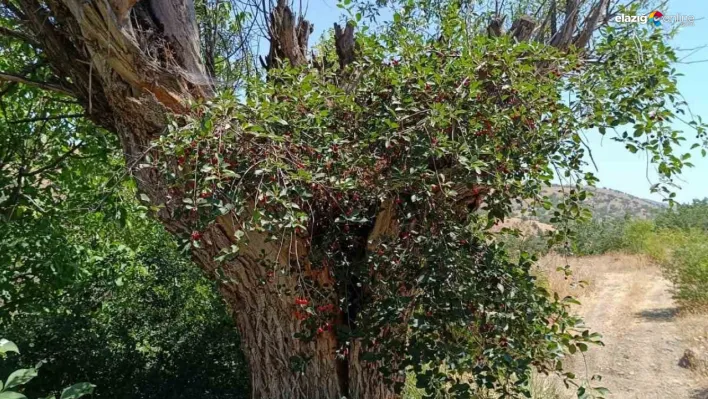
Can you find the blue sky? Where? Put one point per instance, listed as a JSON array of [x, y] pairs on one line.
[[618, 168]]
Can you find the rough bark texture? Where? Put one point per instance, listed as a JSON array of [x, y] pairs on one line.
[[288, 37], [130, 63]]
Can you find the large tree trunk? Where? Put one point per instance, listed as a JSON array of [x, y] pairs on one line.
[[132, 63]]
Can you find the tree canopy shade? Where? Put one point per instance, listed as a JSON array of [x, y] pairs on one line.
[[341, 201]]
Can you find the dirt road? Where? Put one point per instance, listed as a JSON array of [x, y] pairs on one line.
[[630, 304]]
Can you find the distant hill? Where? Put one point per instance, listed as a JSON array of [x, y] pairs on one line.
[[605, 203]]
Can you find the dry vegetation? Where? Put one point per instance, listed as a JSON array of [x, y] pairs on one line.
[[652, 349]]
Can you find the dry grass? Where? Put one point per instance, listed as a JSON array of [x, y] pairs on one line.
[[586, 271], [591, 269]]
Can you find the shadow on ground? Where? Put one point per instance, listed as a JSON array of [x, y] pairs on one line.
[[700, 394], [661, 314]]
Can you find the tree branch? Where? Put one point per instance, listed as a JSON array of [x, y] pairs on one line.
[[56, 162], [19, 35], [288, 37], [9, 77], [47, 118]]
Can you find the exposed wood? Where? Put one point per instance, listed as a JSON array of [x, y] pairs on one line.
[[179, 25], [564, 36], [344, 44], [288, 37], [496, 26], [122, 8], [590, 24], [523, 28]]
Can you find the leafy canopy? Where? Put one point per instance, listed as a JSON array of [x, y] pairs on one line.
[[421, 129]]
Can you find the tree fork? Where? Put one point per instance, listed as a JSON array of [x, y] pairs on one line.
[[110, 66]]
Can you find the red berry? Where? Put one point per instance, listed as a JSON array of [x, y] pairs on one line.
[[196, 236]]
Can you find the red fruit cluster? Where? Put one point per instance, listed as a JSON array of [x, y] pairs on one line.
[[196, 236], [301, 301]]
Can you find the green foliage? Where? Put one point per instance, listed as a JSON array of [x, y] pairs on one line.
[[142, 314], [423, 125], [688, 270], [676, 240], [683, 254], [88, 285], [428, 124], [18, 378], [596, 237], [686, 216]]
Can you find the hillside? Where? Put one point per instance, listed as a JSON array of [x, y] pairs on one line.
[[605, 203]]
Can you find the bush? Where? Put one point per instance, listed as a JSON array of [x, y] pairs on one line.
[[599, 236], [687, 268], [154, 330], [136, 318], [677, 240], [686, 216], [13, 388]]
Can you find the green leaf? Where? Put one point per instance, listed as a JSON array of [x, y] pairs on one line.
[[12, 395], [20, 377], [8, 346], [77, 390]]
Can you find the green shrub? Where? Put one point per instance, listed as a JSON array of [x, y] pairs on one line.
[[516, 244], [14, 388], [685, 216], [637, 236], [599, 236], [687, 268]]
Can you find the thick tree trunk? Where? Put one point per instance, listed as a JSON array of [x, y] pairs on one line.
[[131, 63]]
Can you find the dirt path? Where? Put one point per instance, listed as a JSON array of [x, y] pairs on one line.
[[630, 304]]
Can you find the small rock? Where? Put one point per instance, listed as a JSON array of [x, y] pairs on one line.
[[695, 360]]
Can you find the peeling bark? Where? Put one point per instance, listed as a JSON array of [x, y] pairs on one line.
[[344, 44], [288, 37], [130, 75]]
